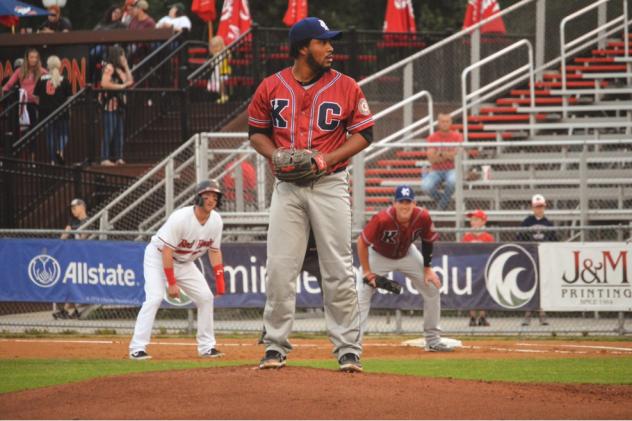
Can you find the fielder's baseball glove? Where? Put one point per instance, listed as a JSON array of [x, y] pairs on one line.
[[299, 166], [382, 282]]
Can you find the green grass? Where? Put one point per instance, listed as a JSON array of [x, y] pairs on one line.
[[567, 370], [21, 374]]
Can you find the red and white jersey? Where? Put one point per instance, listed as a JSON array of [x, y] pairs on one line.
[[318, 117], [389, 239], [187, 237]]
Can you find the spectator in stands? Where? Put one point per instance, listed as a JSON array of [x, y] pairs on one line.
[[221, 72], [176, 19], [56, 22], [116, 78], [79, 215], [478, 219], [127, 12], [53, 90], [140, 18], [111, 20], [141, 21], [26, 78], [535, 222], [442, 162]]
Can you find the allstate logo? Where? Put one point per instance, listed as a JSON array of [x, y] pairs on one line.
[[44, 270], [503, 280]]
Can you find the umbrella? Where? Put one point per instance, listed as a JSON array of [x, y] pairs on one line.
[[12, 10]]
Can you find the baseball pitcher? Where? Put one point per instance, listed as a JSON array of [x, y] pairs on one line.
[[309, 120]]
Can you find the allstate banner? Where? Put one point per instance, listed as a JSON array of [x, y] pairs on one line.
[[90, 272], [488, 276], [586, 276]]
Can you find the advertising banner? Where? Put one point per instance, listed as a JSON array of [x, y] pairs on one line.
[[586, 276], [488, 276], [87, 272], [485, 276]]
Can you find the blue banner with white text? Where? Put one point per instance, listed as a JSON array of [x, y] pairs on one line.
[[485, 276]]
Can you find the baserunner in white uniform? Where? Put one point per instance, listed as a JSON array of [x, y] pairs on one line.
[[386, 245], [189, 233]]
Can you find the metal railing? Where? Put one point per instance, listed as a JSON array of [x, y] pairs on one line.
[[9, 119], [501, 84], [104, 218], [37, 195], [170, 69], [189, 163], [600, 33], [151, 64], [81, 110], [586, 181], [466, 48]]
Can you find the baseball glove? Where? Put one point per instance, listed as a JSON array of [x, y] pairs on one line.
[[298, 166], [382, 282]]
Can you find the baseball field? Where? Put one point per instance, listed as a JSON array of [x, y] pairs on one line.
[[90, 377]]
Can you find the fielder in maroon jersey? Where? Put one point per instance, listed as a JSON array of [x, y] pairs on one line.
[[311, 106], [386, 245]]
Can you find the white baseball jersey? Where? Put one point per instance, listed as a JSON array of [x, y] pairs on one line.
[[187, 237]]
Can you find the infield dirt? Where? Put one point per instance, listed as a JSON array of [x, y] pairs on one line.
[[305, 393]]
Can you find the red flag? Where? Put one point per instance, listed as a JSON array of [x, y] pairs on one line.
[[399, 16], [9, 21], [205, 9], [235, 20], [296, 10], [477, 10]]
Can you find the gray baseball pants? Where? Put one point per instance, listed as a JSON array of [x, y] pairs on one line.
[[326, 207], [411, 266]]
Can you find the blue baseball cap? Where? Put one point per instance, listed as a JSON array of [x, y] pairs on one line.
[[312, 28], [404, 192]]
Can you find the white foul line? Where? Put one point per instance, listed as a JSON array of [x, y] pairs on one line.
[[613, 348]]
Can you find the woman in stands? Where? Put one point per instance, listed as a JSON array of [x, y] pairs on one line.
[[26, 78], [53, 90], [116, 78], [111, 19]]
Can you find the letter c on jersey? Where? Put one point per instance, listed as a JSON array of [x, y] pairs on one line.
[[327, 113], [278, 105]]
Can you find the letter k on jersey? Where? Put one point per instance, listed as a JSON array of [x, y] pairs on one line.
[[389, 237], [278, 105]]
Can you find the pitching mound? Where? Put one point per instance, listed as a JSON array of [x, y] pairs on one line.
[[303, 393]]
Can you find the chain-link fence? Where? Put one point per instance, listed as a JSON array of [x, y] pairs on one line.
[[584, 182], [44, 317]]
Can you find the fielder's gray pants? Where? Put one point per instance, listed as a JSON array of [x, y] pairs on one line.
[[411, 266], [326, 207]]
